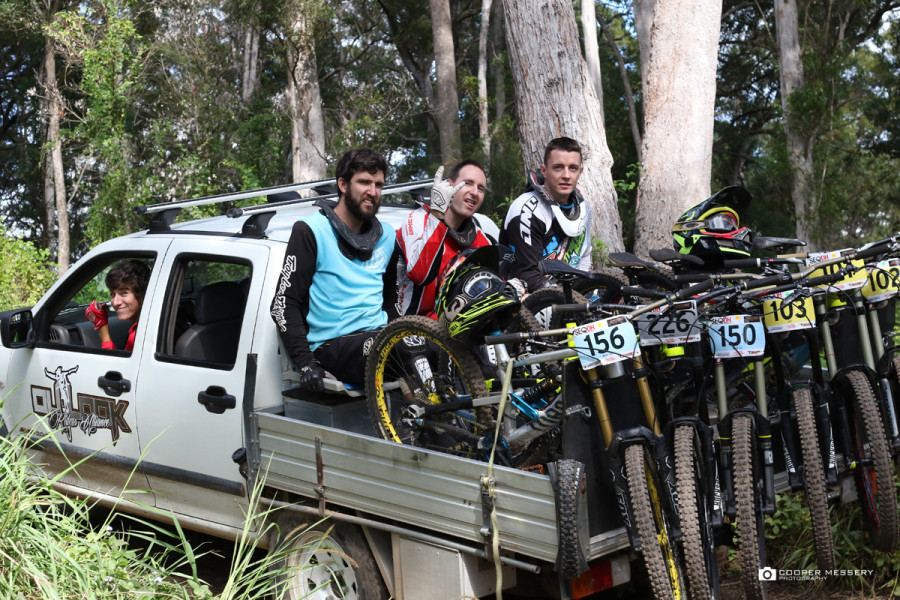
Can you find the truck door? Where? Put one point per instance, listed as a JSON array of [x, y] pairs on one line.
[[76, 399], [192, 389]]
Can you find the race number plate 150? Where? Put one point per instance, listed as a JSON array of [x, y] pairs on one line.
[[736, 336], [605, 342], [797, 314], [884, 280], [675, 325]]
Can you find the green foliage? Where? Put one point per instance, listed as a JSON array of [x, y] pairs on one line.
[[789, 545], [25, 273]]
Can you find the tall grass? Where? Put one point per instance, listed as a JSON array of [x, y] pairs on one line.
[[51, 548]]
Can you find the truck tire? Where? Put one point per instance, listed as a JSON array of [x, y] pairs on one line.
[[324, 560]]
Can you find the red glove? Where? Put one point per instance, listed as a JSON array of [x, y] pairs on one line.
[[98, 314]]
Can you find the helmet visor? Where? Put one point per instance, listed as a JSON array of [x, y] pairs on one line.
[[722, 222]]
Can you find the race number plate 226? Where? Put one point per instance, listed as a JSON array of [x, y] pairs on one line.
[[605, 342], [737, 335]]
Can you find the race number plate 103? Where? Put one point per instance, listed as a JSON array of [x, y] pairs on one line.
[[669, 325], [854, 280], [884, 280], [799, 313], [605, 342], [736, 336]]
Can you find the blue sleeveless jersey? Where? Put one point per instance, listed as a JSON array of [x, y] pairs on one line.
[[346, 295]]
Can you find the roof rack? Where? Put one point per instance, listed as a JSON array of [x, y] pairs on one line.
[[165, 212]]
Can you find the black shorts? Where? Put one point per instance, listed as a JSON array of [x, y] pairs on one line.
[[345, 356]]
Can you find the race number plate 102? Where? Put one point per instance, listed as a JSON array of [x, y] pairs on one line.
[[799, 313], [675, 325], [605, 342], [736, 336], [884, 280]]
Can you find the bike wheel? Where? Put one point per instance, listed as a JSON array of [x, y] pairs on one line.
[[814, 477], [540, 304], [413, 362], [658, 550], [600, 288], [750, 526], [697, 542], [872, 470]]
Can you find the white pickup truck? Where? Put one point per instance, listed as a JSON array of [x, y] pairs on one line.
[[205, 405]]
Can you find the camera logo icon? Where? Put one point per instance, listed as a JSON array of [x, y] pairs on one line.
[[768, 574]]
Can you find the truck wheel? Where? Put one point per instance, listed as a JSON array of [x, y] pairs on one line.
[[323, 560]]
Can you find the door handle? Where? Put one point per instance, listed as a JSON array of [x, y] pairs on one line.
[[113, 383], [216, 399]]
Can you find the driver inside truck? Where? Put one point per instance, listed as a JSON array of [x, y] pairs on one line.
[[127, 283]]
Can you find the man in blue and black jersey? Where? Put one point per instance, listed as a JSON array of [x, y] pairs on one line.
[[330, 300], [551, 219]]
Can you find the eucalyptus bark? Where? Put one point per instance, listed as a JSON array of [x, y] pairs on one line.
[[799, 139], [679, 111], [305, 103], [592, 49], [643, 25], [554, 97], [54, 145], [446, 107], [633, 119], [484, 131]]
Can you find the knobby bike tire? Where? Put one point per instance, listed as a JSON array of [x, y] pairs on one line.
[[657, 548], [750, 527], [541, 302], [601, 288], [570, 487], [452, 374], [814, 477], [698, 545], [872, 471], [654, 280]]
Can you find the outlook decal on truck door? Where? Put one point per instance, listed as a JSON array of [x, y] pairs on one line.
[[86, 412]]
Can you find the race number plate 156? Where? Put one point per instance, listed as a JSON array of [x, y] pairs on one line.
[[675, 325], [797, 314], [736, 335], [855, 280], [605, 342], [884, 280]]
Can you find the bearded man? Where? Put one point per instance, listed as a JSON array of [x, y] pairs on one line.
[[329, 303]]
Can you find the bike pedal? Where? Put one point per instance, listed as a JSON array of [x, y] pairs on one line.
[[834, 496]]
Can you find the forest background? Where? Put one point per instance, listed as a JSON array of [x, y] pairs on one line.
[[108, 104]]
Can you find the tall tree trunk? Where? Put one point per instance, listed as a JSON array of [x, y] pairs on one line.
[[250, 77], [498, 42], [592, 49], [633, 119], [484, 131], [554, 98], [679, 110], [307, 125], [799, 142], [643, 25], [54, 142], [447, 104]]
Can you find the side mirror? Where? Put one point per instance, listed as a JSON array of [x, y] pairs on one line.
[[16, 328]]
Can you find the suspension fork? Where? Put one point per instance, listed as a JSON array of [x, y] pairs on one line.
[[783, 409], [822, 413], [726, 484], [764, 437], [890, 416]]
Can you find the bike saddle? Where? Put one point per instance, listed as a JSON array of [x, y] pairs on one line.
[[563, 271], [628, 260], [668, 256], [775, 243]]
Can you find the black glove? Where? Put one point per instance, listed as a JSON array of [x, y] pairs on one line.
[[311, 376]]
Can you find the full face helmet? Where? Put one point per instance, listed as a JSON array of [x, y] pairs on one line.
[[712, 229], [473, 300]]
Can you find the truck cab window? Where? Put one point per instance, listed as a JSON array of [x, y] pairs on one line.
[[205, 310], [65, 320]]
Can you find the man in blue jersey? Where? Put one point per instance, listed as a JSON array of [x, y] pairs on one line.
[[330, 300]]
